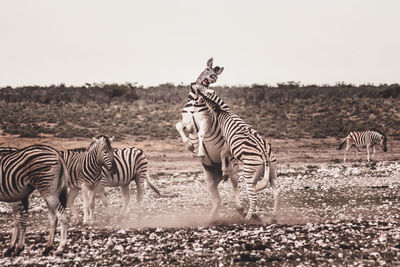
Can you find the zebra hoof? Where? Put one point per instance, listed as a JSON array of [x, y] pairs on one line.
[[18, 251], [225, 176], [47, 250], [190, 146], [9, 252], [59, 252]]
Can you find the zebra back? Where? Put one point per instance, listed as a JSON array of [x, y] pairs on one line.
[[237, 132], [35, 167], [130, 164]]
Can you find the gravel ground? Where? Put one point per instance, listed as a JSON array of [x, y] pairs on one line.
[[330, 214]]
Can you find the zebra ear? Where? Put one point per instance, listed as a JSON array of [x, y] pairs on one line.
[[111, 139], [218, 70], [210, 62], [94, 139]]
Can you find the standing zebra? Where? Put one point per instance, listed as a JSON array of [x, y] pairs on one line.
[[204, 133], [131, 165], [24, 170], [84, 167], [364, 139], [247, 146]]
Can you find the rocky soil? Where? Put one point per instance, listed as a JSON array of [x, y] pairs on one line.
[[330, 214]]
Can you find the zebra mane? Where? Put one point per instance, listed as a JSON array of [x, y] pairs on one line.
[[106, 140], [210, 102]]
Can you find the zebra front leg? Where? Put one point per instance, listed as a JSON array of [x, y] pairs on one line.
[[181, 128], [345, 152], [368, 159], [106, 204], [373, 152], [73, 192], [85, 203], [91, 205]]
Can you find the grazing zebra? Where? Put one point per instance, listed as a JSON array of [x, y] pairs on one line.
[[21, 172], [247, 146], [204, 133], [131, 165], [84, 167], [364, 139]]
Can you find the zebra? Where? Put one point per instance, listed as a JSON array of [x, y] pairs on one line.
[[84, 167], [22, 171], [204, 133], [131, 165], [194, 116], [247, 146], [364, 139]]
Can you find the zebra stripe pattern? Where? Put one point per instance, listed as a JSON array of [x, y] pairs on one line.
[[247, 146], [194, 114], [24, 170], [366, 139], [84, 167], [205, 134], [131, 165]]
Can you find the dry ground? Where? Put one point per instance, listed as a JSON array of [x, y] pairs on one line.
[[330, 213], [170, 156]]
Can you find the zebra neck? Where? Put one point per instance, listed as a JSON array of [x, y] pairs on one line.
[[92, 166]]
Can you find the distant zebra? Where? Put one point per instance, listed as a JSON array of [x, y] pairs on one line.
[[21, 172], [247, 146], [204, 133], [84, 167], [131, 165], [364, 139]]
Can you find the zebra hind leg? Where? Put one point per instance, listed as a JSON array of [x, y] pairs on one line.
[[213, 179], [126, 197], [251, 177], [22, 216], [234, 178], [16, 214], [56, 213]]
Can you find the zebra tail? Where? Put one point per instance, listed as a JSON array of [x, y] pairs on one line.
[[151, 184], [265, 180], [341, 145], [64, 178]]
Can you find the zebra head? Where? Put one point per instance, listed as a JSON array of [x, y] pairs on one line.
[[105, 153], [210, 74]]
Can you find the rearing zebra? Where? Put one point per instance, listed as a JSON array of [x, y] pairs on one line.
[[364, 139], [204, 133], [21, 172], [84, 167], [247, 146], [131, 165]]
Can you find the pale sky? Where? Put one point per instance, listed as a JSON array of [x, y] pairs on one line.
[[149, 42]]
